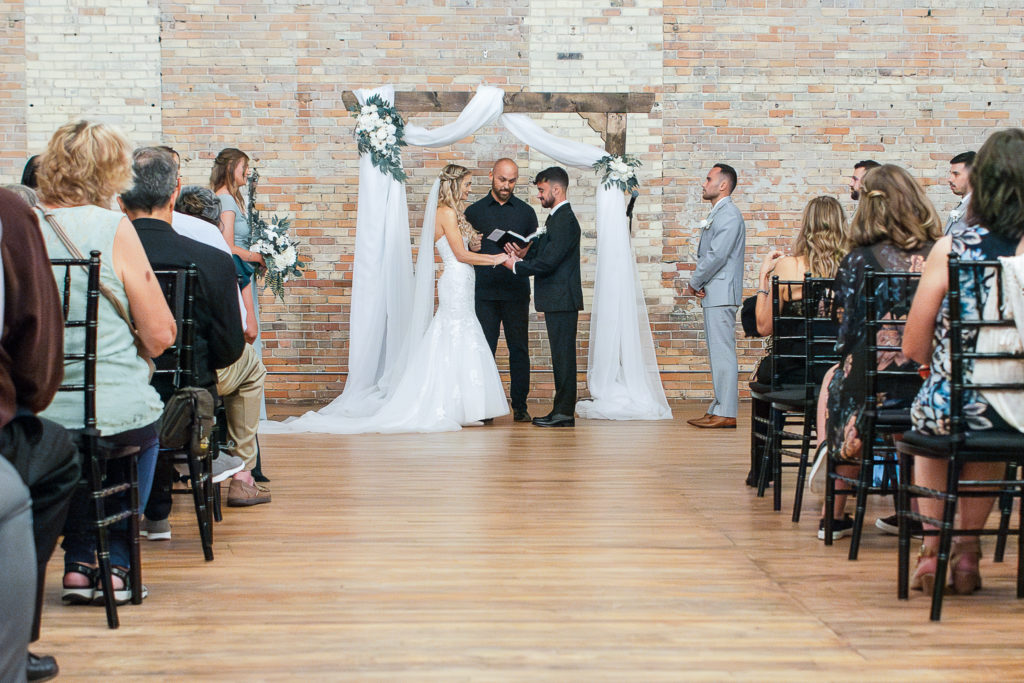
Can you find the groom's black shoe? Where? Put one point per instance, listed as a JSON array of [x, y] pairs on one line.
[[555, 420], [521, 415]]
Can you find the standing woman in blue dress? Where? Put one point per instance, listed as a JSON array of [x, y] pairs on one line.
[[230, 169]]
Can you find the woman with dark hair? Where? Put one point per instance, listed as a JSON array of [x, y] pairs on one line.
[[893, 229], [996, 220], [28, 176]]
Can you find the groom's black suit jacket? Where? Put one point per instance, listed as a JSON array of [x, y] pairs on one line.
[[554, 262]]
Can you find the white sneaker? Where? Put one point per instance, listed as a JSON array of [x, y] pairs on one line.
[[225, 465], [156, 529]]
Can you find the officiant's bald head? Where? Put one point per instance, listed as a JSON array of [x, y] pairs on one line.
[[504, 176]]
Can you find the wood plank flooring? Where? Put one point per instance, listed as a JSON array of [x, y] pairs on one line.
[[615, 551]]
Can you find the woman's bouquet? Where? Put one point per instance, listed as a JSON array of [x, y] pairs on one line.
[[279, 252]]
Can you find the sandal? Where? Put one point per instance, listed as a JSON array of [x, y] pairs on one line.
[[79, 595], [924, 574], [963, 563], [122, 595]]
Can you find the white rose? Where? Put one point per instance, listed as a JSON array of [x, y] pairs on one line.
[[391, 129], [367, 108], [614, 177], [391, 139], [704, 224]]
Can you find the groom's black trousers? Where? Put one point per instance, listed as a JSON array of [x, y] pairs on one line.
[[561, 326], [515, 316]]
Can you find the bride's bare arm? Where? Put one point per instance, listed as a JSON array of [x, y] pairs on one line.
[[447, 224]]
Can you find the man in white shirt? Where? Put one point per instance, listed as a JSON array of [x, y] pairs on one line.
[[960, 183]]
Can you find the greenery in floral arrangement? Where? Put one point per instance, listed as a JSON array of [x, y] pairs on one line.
[[380, 133], [279, 249], [619, 172]]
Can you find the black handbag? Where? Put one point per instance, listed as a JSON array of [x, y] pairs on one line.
[[187, 420], [748, 317]]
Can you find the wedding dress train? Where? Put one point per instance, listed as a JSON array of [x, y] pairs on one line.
[[450, 380]]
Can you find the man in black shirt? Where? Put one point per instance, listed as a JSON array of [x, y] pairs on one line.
[[502, 297], [219, 336]]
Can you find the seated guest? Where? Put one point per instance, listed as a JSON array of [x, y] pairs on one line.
[[28, 175], [996, 220], [893, 229], [197, 216], [85, 164], [26, 193], [31, 366], [16, 550], [225, 363], [242, 387], [819, 246]]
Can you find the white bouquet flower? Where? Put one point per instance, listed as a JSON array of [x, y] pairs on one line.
[[380, 133], [620, 172]]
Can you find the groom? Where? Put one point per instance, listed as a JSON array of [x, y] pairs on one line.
[[553, 258]]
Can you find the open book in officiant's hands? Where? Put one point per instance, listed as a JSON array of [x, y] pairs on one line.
[[503, 237]]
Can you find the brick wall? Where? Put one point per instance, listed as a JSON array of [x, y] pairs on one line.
[[792, 95]]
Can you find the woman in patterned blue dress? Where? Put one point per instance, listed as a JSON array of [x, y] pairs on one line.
[[996, 217]]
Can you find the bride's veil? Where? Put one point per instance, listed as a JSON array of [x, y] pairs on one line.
[[423, 292]]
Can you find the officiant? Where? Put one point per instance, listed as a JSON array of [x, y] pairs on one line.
[[502, 297]]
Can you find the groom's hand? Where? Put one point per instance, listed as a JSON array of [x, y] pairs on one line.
[[519, 252], [511, 261]]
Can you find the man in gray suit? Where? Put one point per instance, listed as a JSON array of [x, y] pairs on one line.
[[960, 183], [718, 282]]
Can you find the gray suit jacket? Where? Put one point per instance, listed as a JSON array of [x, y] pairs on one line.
[[957, 217], [719, 270]]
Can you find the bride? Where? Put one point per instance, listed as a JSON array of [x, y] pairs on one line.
[[449, 380]]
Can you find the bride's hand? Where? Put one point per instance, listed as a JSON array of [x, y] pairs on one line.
[[498, 259]]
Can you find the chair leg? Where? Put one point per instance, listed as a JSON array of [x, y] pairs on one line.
[[864, 482], [801, 473], [778, 425], [134, 550], [102, 541], [945, 537], [1005, 510], [830, 497], [762, 477], [197, 483], [257, 471], [902, 510]]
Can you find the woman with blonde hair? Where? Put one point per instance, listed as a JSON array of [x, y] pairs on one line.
[[448, 379], [84, 166], [819, 246], [893, 230]]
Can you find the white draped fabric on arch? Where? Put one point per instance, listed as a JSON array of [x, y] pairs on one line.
[[622, 372]]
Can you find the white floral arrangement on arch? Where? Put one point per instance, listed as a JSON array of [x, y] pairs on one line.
[[279, 250], [380, 133], [619, 171]]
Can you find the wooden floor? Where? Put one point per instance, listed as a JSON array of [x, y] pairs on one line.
[[615, 551]]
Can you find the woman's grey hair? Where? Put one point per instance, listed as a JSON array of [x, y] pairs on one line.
[[25, 192], [199, 201]]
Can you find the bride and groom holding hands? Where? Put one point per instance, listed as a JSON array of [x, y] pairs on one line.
[[450, 379]]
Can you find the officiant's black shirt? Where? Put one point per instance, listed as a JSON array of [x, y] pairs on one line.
[[486, 214]]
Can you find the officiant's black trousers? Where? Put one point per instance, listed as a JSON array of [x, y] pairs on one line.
[[515, 317], [561, 327]]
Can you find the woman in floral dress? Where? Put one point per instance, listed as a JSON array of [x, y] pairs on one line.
[[996, 217], [893, 229]]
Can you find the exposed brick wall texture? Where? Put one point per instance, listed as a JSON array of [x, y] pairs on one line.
[[791, 95]]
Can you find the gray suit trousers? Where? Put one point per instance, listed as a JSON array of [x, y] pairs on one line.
[[18, 569], [720, 332]]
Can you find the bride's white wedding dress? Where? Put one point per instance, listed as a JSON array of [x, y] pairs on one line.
[[450, 380]]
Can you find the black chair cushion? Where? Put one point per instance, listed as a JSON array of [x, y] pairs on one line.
[[795, 397], [993, 443]]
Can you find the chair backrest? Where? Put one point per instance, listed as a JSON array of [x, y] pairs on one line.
[[822, 328], [789, 339], [1004, 371], [88, 322], [175, 368], [888, 296]]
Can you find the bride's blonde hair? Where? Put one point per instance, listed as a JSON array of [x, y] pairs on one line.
[[451, 177]]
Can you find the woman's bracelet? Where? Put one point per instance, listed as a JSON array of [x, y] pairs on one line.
[[764, 291]]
